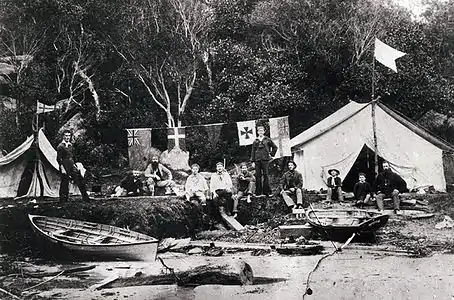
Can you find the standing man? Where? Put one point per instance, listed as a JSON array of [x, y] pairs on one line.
[[292, 185], [263, 149], [68, 169], [389, 184], [159, 176], [221, 190]]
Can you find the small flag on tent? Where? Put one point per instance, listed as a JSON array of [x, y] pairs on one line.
[[139, 146], [279, 133], [246, 132], [386, 54], [44, 108], [176, 138]]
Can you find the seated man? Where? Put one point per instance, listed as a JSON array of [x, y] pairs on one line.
[[334, 184], [131, 184], [292, 185], [245, 186], [196, 185], [362, 190], [221, 189], [389, 184], [159, 176]]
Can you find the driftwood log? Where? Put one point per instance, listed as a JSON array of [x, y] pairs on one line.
[[235, 274]]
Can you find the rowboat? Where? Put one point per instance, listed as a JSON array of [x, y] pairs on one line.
[[342, 223], [93, 240]]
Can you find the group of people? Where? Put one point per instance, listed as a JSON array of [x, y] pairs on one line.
[[221, 189]]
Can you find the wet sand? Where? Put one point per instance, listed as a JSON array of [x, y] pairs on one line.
[[351, 274]]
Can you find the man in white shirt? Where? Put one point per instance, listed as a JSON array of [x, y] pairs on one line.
[[221, 187], [196, 185]]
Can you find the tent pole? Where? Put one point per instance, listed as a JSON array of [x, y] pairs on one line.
[[374, 124]]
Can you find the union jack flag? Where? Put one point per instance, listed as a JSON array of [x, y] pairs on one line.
[[133, 137]]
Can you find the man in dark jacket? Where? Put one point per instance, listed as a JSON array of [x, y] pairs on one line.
[[389, 184], [245, 187], [263, 149], [292, 185], [68, 169]]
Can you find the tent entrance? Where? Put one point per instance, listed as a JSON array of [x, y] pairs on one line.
[[364, 163]]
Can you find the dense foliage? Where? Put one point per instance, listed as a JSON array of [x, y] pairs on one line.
[[137, 63]]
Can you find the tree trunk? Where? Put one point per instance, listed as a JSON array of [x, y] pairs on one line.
[[235, 274]]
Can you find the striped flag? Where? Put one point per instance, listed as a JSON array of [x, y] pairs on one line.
[[280, 134], [43, 108]]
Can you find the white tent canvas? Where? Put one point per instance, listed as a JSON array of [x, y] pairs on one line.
[[336, 142], [25, 172]]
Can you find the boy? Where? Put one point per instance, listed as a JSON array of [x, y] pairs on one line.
[[334, 184], [362, 190]]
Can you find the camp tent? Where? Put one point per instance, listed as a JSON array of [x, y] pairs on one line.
[[336, 142], [26, 172]]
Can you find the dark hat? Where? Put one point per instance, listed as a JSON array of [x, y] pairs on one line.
[[292, 162], [331, 170]]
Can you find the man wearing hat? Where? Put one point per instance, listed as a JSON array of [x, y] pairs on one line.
[[292, 185], [334, 185], [159, 176], [221, 189]]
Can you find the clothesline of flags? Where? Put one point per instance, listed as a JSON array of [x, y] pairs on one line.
[[278, 132]]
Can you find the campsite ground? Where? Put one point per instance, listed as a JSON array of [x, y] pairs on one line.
[[424, 272]]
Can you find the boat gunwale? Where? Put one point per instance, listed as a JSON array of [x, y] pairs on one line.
[[31, 217], [314, 221]]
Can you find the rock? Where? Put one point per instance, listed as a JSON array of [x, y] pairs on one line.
[[176, 159], [196, 250], [446, 223]]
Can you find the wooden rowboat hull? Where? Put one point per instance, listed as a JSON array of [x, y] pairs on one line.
[[341, 224], [66, 246]]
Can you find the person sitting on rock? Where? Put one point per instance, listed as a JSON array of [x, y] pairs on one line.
[[292, 185], [245, 187], [221, 189], [157, 175], [388, 184], [130, 185], [196, 185], [334, 185], [362, 190]]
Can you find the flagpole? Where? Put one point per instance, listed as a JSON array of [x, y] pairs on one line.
[[374, 124]]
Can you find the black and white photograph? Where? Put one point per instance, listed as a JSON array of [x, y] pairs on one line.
[[226, 149]]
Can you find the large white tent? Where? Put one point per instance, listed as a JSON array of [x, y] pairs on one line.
[[31, 170], [336, 142]]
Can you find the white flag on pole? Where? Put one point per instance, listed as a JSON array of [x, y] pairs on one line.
[[387, 55], [246, 132]]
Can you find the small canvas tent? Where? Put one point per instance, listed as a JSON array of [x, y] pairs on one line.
[[26, 172], [336, 142]]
